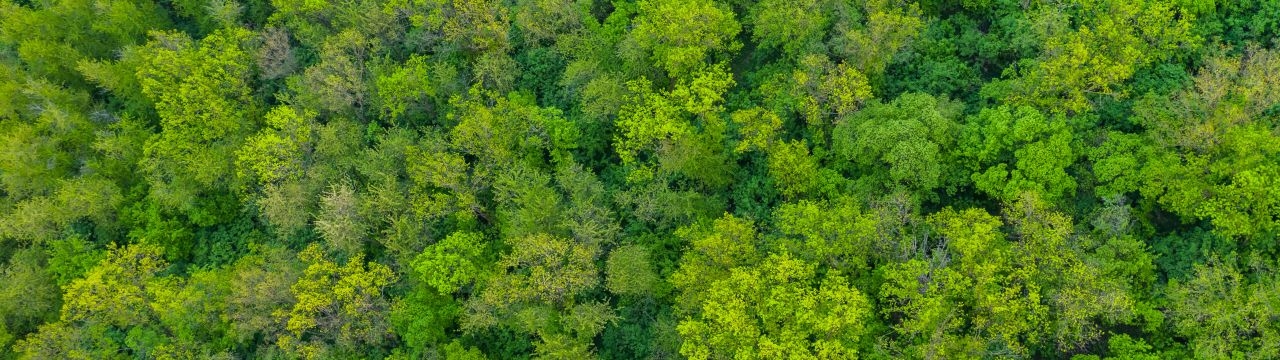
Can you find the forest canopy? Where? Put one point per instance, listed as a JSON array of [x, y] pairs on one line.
[[639, 179]]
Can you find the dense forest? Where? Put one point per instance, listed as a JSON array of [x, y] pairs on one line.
[[639, 179]]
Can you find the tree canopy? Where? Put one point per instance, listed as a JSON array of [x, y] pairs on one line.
[[639, 179]]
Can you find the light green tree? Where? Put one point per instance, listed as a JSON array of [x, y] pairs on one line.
[[779, 309], [339, 308]]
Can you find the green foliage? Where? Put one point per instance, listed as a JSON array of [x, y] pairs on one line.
[[338, 305], [873, 39], [278, 152], [729, 242], [630, 271], [71, 257], [28, 299], [679, 36], [901, 143], [791, 26], [1011, 151], [112, 297], [657, 179], [202, 94], [833, 233], [537, 292], [403, 88], [1223, 315], [779, 309], [452, 263], [1098, 48]]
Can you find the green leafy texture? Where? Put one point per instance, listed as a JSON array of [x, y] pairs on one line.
[[1095, 46], [474, 25], [901, 144], [452, 263], [202, 96], [758, 127], [833, 233], [794, 171], [1124, 347], [311, 21], [340, 83], [552, 20], [826, 92], [339, 307], [779, 309], [28, 299], [52, 38], [870, 42], [729, 242], [404, 89], [1082, 299], [791, 26], [537, 292], [287, 207], [422, 319], [44, 218], [975, 286], [626, 179], [340, 222], [1224, 316], [527, 202], [987, 295], [71, 257], [259, 288], [280, 151], [114, 296], [1015, 150], [500, 131], [681, 35], [1210, 155], [587, 215], [652, 120], [682, 130], [44, 135], [630, 271]]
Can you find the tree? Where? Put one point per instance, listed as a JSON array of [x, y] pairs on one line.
[[779, 309], [340, 83], [678, 36], [202, 95], [1205, 156], [835, 233], [537, 291], [630, 271], [828, 92], [452, 263], [1109, 42], [29, 299], [259, 286], [796, 173], [108, 313], [340, 221], [793, 27], [403, 89], [972, 284], [681, 130], [51, 37], [279, 152], [884, 28], [900, 144], [1015, 150], [340, 305], [728, 242], [758, 128], [1224, 314]]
